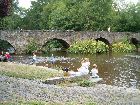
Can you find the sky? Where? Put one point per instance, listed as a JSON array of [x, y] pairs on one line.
[[27, 3]]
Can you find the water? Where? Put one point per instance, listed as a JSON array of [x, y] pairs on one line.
[[115, 69]]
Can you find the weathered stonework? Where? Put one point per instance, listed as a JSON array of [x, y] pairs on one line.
[[19, 39]]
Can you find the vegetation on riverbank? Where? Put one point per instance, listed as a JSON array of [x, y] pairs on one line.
[[92, 47], [88, 47], [27, 72], [123, 46], [32, 46]]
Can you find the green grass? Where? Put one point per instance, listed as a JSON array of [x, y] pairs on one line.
[[27, 72]]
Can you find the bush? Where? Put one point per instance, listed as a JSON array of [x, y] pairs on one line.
[[88, 47], [123, 46], [32, 46], [101, 47], [86, 83]]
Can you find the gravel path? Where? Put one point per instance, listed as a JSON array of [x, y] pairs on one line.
[[12, 89]]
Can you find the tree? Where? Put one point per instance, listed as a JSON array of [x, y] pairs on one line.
[[129, 18], [5, 6], [12, 21], [78, 14]]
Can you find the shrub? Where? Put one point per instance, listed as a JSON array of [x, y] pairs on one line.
[[86, 83], [102, 47], [123, 46], [32, 46], [88, 47]]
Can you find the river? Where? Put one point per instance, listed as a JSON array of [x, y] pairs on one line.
[[119, 69]]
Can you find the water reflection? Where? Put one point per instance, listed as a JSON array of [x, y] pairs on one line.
[[115, 69]]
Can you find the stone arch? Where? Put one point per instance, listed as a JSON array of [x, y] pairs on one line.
[[63, 42], [103, 40], [6, 46], [135, 42]]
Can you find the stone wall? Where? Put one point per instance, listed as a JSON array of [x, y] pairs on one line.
[[19, 39]]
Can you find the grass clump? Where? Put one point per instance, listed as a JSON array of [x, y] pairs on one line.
[[86, 83]]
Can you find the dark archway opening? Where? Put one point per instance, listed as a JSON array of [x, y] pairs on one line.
[[103, 40], [6, 47], [55, 45], [135, 42], [106, 42]]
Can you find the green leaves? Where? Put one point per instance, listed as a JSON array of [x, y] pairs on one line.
[[88, 47], [32, 46], [86, 83], [78, 15], [50, 45], [92, 47], [72, 14], [123, 46]]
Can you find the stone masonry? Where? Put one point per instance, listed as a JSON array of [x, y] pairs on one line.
[[19, 39]]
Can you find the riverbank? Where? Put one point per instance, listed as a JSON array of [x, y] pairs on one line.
[[15, 90], [25, 85]]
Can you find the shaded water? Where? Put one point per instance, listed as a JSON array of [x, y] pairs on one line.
[[115, 69]]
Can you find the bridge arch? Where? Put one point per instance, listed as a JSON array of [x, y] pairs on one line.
[[135, 42], [103, 40], [6, 46], [64, 44]]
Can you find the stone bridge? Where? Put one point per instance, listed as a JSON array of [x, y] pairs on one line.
[[19, 39]]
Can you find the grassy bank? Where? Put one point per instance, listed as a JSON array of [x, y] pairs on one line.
[[27, 71]]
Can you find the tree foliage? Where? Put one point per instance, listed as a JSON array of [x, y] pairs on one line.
[[78, 15], [13, 20]]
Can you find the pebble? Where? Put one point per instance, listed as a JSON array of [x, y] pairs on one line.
[[12, 88]]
